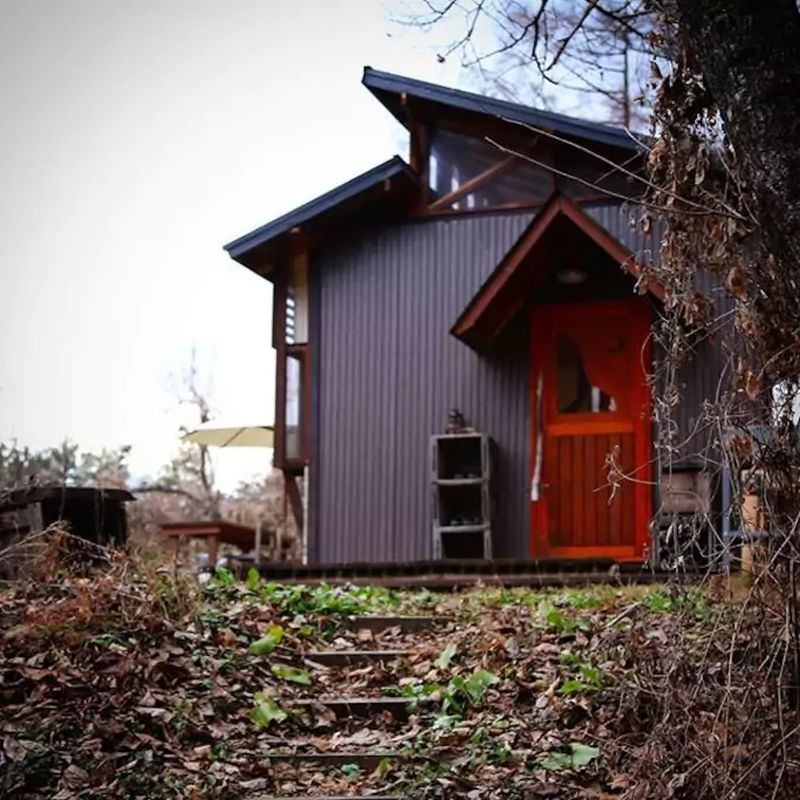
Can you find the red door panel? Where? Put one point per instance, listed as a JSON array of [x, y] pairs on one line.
[[591, 410]]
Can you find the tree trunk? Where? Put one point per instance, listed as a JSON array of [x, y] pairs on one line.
[[749, 53]]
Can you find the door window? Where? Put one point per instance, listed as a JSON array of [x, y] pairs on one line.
[[576, 394]]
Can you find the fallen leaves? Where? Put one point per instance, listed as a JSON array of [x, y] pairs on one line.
[[520, 687]]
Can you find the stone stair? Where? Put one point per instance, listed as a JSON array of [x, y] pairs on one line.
[[356, 709]]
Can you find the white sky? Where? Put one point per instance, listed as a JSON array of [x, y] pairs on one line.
[[138, 137]]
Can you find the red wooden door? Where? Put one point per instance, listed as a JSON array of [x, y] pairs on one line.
[[591, 417]]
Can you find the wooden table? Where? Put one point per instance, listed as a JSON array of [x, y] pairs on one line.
[[214, 532]]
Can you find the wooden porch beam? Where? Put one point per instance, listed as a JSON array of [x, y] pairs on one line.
[[473, 183], [419, 160]]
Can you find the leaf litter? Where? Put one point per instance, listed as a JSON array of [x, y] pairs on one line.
[[131, 684]]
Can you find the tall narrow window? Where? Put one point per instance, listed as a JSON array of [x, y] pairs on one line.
[[294, 405], [292, 365], [297, 302]]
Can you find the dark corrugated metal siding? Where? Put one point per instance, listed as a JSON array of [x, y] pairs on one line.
[[698, 380], [389, 370], [621, 222]]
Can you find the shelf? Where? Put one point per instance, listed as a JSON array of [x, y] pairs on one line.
[[462, 528], [461, 505]]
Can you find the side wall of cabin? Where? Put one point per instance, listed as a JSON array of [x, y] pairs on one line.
[[389, 370]]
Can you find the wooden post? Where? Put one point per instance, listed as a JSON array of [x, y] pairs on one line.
[[257, 545], [212, 543], [419, 161]]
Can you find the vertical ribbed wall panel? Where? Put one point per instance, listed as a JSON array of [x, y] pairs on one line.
[[699, 377], [389, 370], [617, 219]]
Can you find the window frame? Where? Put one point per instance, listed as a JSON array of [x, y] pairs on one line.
[[284, 351]]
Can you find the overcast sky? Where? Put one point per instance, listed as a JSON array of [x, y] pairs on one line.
[[138, 137]]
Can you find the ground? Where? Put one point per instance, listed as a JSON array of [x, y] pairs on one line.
[[131, 683]]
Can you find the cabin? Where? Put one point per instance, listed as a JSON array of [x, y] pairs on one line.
[[501, 270]]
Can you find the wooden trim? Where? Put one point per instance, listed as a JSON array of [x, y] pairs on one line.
[[295, 500], [616, 552], [590, 423], [419, 161], [279, 328], [491, 289], [473, 183], [460, 212]]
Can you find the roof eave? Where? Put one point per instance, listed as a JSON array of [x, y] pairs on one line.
[[243, 249]]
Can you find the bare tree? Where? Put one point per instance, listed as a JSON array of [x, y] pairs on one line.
[[724, 176], [588, 54], [191, 472]]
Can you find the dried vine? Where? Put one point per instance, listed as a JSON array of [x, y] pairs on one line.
[[727, 283]]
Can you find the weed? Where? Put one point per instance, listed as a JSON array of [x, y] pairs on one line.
[[291, 674], [456, 695], [660, 603], [579, 757], [350, 771], [266, 711], [555, 619], [268, 642]]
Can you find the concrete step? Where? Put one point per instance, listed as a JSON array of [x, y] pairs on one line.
[[366, 760], [406, 624], [359, 707], [339, 658]]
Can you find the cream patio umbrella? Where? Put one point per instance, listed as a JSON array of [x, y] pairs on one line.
[[214, 435], [211, 434]]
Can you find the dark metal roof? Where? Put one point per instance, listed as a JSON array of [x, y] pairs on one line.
[[390, 89], [355, 190]]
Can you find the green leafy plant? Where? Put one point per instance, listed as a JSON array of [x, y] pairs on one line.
[[476, 685], [555, 619], [253, 581], [291, 674], [223, 578], [383, 768], [327, 600], [268, 642], [351, 771], [579, 756], [580, 600], [660, 603], [591, 680], [266, 710], [458, 693], [446, 656]]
